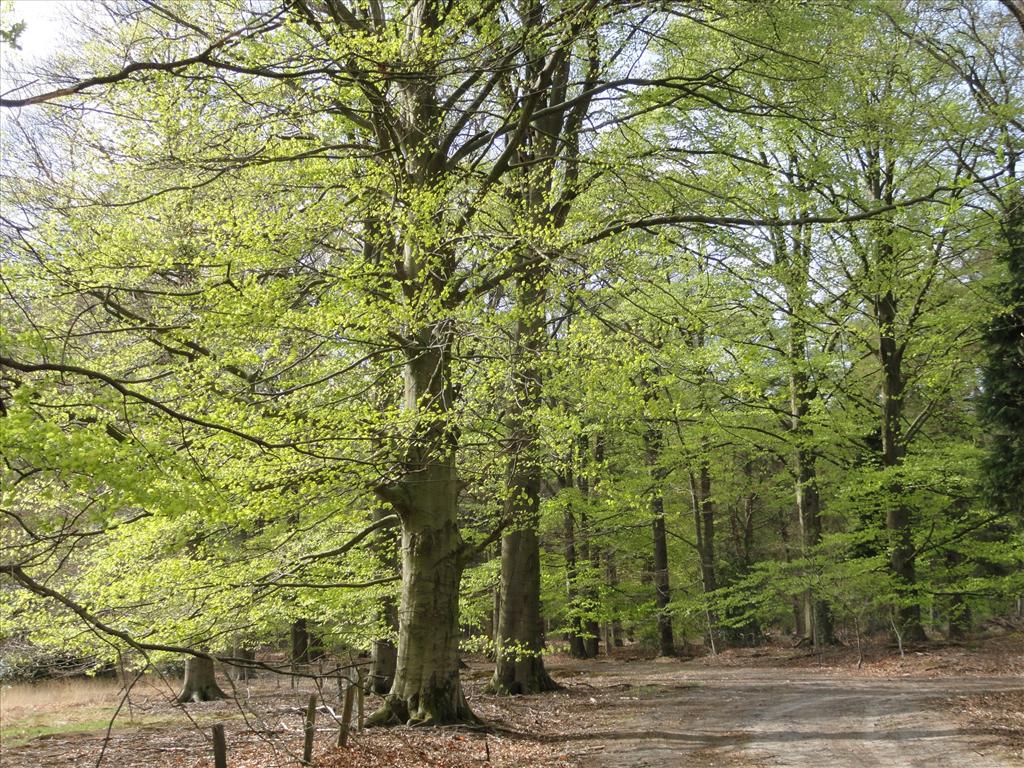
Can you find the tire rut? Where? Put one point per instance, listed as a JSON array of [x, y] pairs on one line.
[[776, 718]]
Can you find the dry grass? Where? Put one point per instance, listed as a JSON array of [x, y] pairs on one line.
[[76, 705], [52, 694]]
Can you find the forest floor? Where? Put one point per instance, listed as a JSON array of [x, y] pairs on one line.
[[938, 705]]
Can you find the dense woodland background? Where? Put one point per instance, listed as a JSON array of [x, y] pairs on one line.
[[427, 327]]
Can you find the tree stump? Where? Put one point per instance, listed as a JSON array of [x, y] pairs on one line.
[[200, 681]]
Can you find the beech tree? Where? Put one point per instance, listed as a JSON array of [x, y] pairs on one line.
[[311, 306]]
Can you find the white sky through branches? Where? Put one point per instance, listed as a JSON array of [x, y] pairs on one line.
[[46, 28]]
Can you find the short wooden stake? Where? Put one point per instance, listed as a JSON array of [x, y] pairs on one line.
[[361, 694], [346, 715], [220, 747], [307, 747]]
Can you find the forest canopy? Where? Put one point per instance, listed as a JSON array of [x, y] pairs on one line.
[[416, 328]]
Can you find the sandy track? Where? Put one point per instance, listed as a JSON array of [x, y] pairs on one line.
[[683, 716]]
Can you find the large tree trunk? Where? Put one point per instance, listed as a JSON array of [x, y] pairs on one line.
[[200, 681], [427, 688], [384, 653], [519, 666]]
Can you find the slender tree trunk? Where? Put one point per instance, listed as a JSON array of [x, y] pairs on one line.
[[590, 629], [300, 642], [794, 260], [588, 551], [704, 528], [960, 616], [706, 521], [576, 646], [613, 636], [241, 672], [818, 625], [384, 655], [890, 357], [897, 519], [784, 537], [662, 590]]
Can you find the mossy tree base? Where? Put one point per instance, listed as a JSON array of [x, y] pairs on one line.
[[423, 711], [530, 678]]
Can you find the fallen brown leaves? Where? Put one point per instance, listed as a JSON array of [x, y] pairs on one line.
[[1000, 714], [606, 704], [400, 748], [999, 655]]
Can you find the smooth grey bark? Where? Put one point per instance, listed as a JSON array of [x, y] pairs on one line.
[[519, 665], [427, 688], [384, 653], [200, 681]]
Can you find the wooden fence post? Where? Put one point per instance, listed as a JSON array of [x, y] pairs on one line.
[[307, 747], [220, 747], [346, 715]]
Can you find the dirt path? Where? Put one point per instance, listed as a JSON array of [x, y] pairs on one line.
[[678, 715], [752, 711]]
